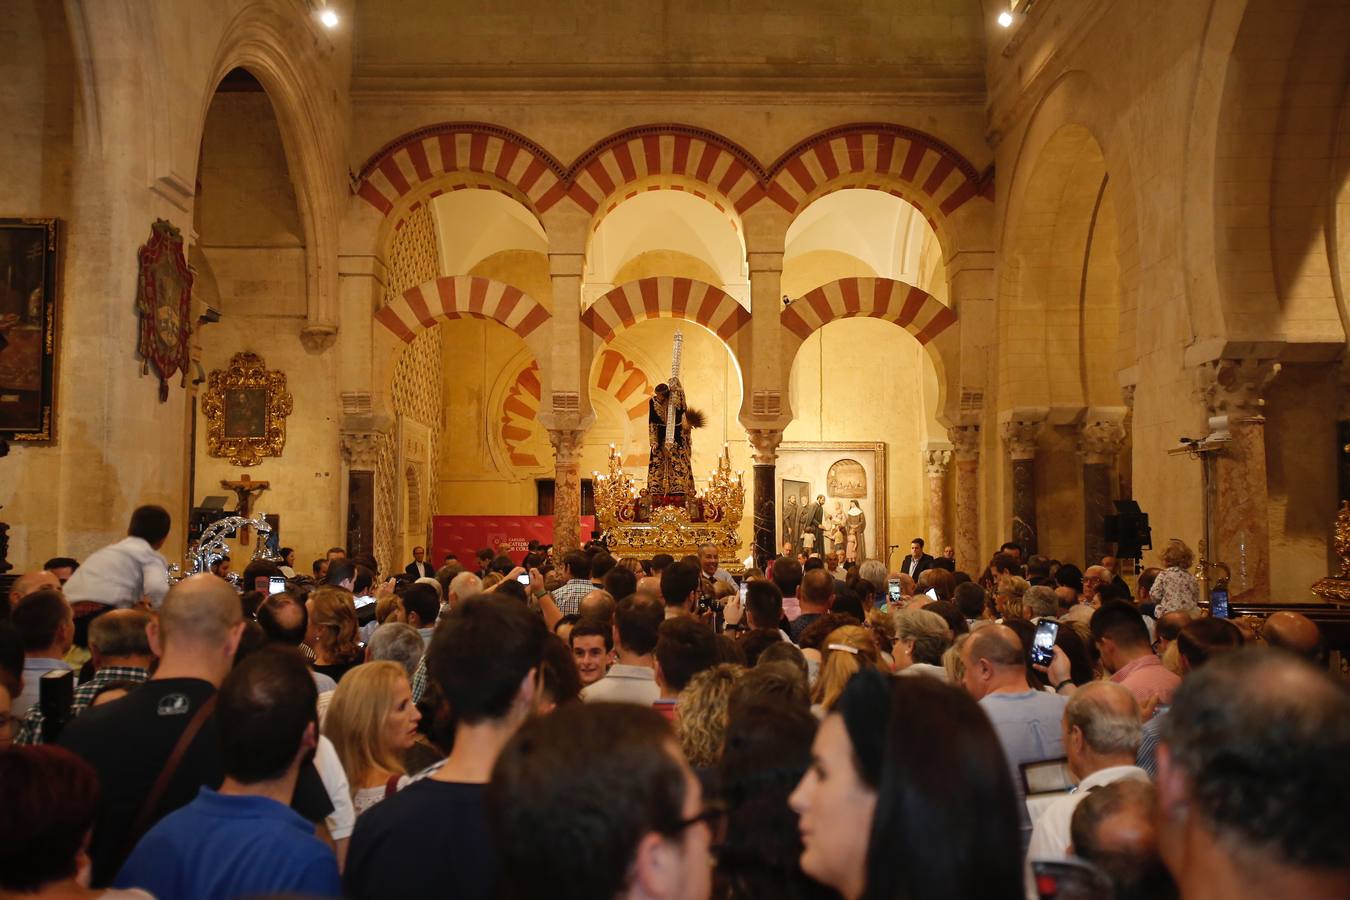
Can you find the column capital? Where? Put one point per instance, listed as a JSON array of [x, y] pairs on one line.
[[361, 449], [936, 461], [1100, 440], [764, 444], [567, 444], [1020, 435], [1235, 386], [965, 442]]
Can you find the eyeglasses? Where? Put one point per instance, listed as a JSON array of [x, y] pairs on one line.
[[713, 814]]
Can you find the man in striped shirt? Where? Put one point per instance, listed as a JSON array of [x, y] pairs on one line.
[[121, 653]]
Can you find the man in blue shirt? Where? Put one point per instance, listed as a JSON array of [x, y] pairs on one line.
[[245, 840]]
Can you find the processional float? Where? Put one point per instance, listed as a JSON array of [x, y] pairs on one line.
[[638, 522]]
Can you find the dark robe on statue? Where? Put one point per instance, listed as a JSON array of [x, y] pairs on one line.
[[669, 471]]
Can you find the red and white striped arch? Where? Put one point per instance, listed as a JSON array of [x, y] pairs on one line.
[[668, 183], [463, 297], [934, 177], [666, 297], [913, 309], [654, 150], [399, 168], [519, 418]]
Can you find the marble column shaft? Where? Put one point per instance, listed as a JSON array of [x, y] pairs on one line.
[[936, 464], [1099, 441], [1232, 390], [1020, 436], [966, 443], [567, 445], [764, 451]]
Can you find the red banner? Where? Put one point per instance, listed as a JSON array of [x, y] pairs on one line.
[[464, 536]]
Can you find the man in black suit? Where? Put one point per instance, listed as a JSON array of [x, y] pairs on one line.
[[418, 568], [917, 561]]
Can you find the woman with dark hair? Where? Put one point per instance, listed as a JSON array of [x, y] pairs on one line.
[[767, 750], [886, 817], [49, 796]]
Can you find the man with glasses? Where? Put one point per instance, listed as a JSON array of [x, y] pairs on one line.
[[637, 823]]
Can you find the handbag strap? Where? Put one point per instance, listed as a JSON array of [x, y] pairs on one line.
[[391, 786], [145, 818]]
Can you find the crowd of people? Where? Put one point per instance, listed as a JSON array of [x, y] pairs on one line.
[[590, 727]]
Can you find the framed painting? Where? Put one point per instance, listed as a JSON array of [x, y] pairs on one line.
[[845, 506], [246, 406], [29, 263]]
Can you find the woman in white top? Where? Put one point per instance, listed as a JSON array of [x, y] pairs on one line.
[[1176, 588], [371, 721]]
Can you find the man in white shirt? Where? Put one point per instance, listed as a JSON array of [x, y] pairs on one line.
[[121, 574], [633, 678], [1101, 737]]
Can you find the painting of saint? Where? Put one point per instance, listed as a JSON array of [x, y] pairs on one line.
[[246, 413]]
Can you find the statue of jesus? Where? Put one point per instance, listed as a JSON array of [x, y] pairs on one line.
[[669, 472]]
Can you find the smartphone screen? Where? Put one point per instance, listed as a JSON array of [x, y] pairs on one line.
[[276, 584], [744, 589], [523, 579], [893, 587], [931, 593], [1043, 645], [1218, 603]]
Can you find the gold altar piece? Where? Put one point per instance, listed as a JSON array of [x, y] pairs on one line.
[[637, 524], [246, 406], [1336, 589]]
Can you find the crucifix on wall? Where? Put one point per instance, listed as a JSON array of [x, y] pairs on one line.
[[244, 489]]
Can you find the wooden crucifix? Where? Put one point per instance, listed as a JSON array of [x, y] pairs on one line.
[[244, 489]]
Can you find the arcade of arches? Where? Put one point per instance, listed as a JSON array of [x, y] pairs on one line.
[[1025, 262]]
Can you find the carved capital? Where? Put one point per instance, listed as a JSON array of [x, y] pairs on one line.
[[1020, 436], [764, 445], [1100, 440], [965, 442], [567, 444], [318, 337], [360, 449], [936, 462], [1236, 386]]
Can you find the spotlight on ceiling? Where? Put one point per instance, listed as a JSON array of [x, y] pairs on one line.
[[1005, 19], [329, 18]]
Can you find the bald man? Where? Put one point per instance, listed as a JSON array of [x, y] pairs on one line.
[[1027, 721], [1101, 738], [130, 741], [1294, 632], [1115, 829]]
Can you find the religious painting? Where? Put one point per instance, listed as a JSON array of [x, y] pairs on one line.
[[845, 513], [246, 406], [792, 502], [164, 302], [28, 273]]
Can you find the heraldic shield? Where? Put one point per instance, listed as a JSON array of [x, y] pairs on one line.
[[164, 301]]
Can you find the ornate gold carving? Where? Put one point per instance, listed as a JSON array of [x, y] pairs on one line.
[[1336, 589], [635, 528], [246, 408]]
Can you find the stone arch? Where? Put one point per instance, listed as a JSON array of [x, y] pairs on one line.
[[520, 413], [668, 298], [911, 164], [262, 41], [467, 297], [405, 164], [682, 154]]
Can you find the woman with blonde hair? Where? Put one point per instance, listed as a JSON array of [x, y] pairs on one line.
[[372, 721], [701, 720], [847, 650], [921, 637], [1008, 593], [333, 633], [1175, 588]]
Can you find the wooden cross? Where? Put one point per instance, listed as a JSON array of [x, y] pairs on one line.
[[244, 489]]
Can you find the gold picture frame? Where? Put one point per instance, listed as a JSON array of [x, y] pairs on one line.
[[246, 406], [860, 481]]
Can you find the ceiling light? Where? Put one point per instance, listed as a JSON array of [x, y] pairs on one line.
[[1005, 19], [329, 18]]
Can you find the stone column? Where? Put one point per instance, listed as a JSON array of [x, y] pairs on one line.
[[1232, 390], [1100, 438], [567, 444], [764, 451], [966, 450], [1019, 434], [936, 462]]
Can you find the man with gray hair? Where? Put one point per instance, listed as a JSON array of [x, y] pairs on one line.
[[397, 642], [120, 653], [1039, 602], [1101, 737], [873, 571], [1253, 786]]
